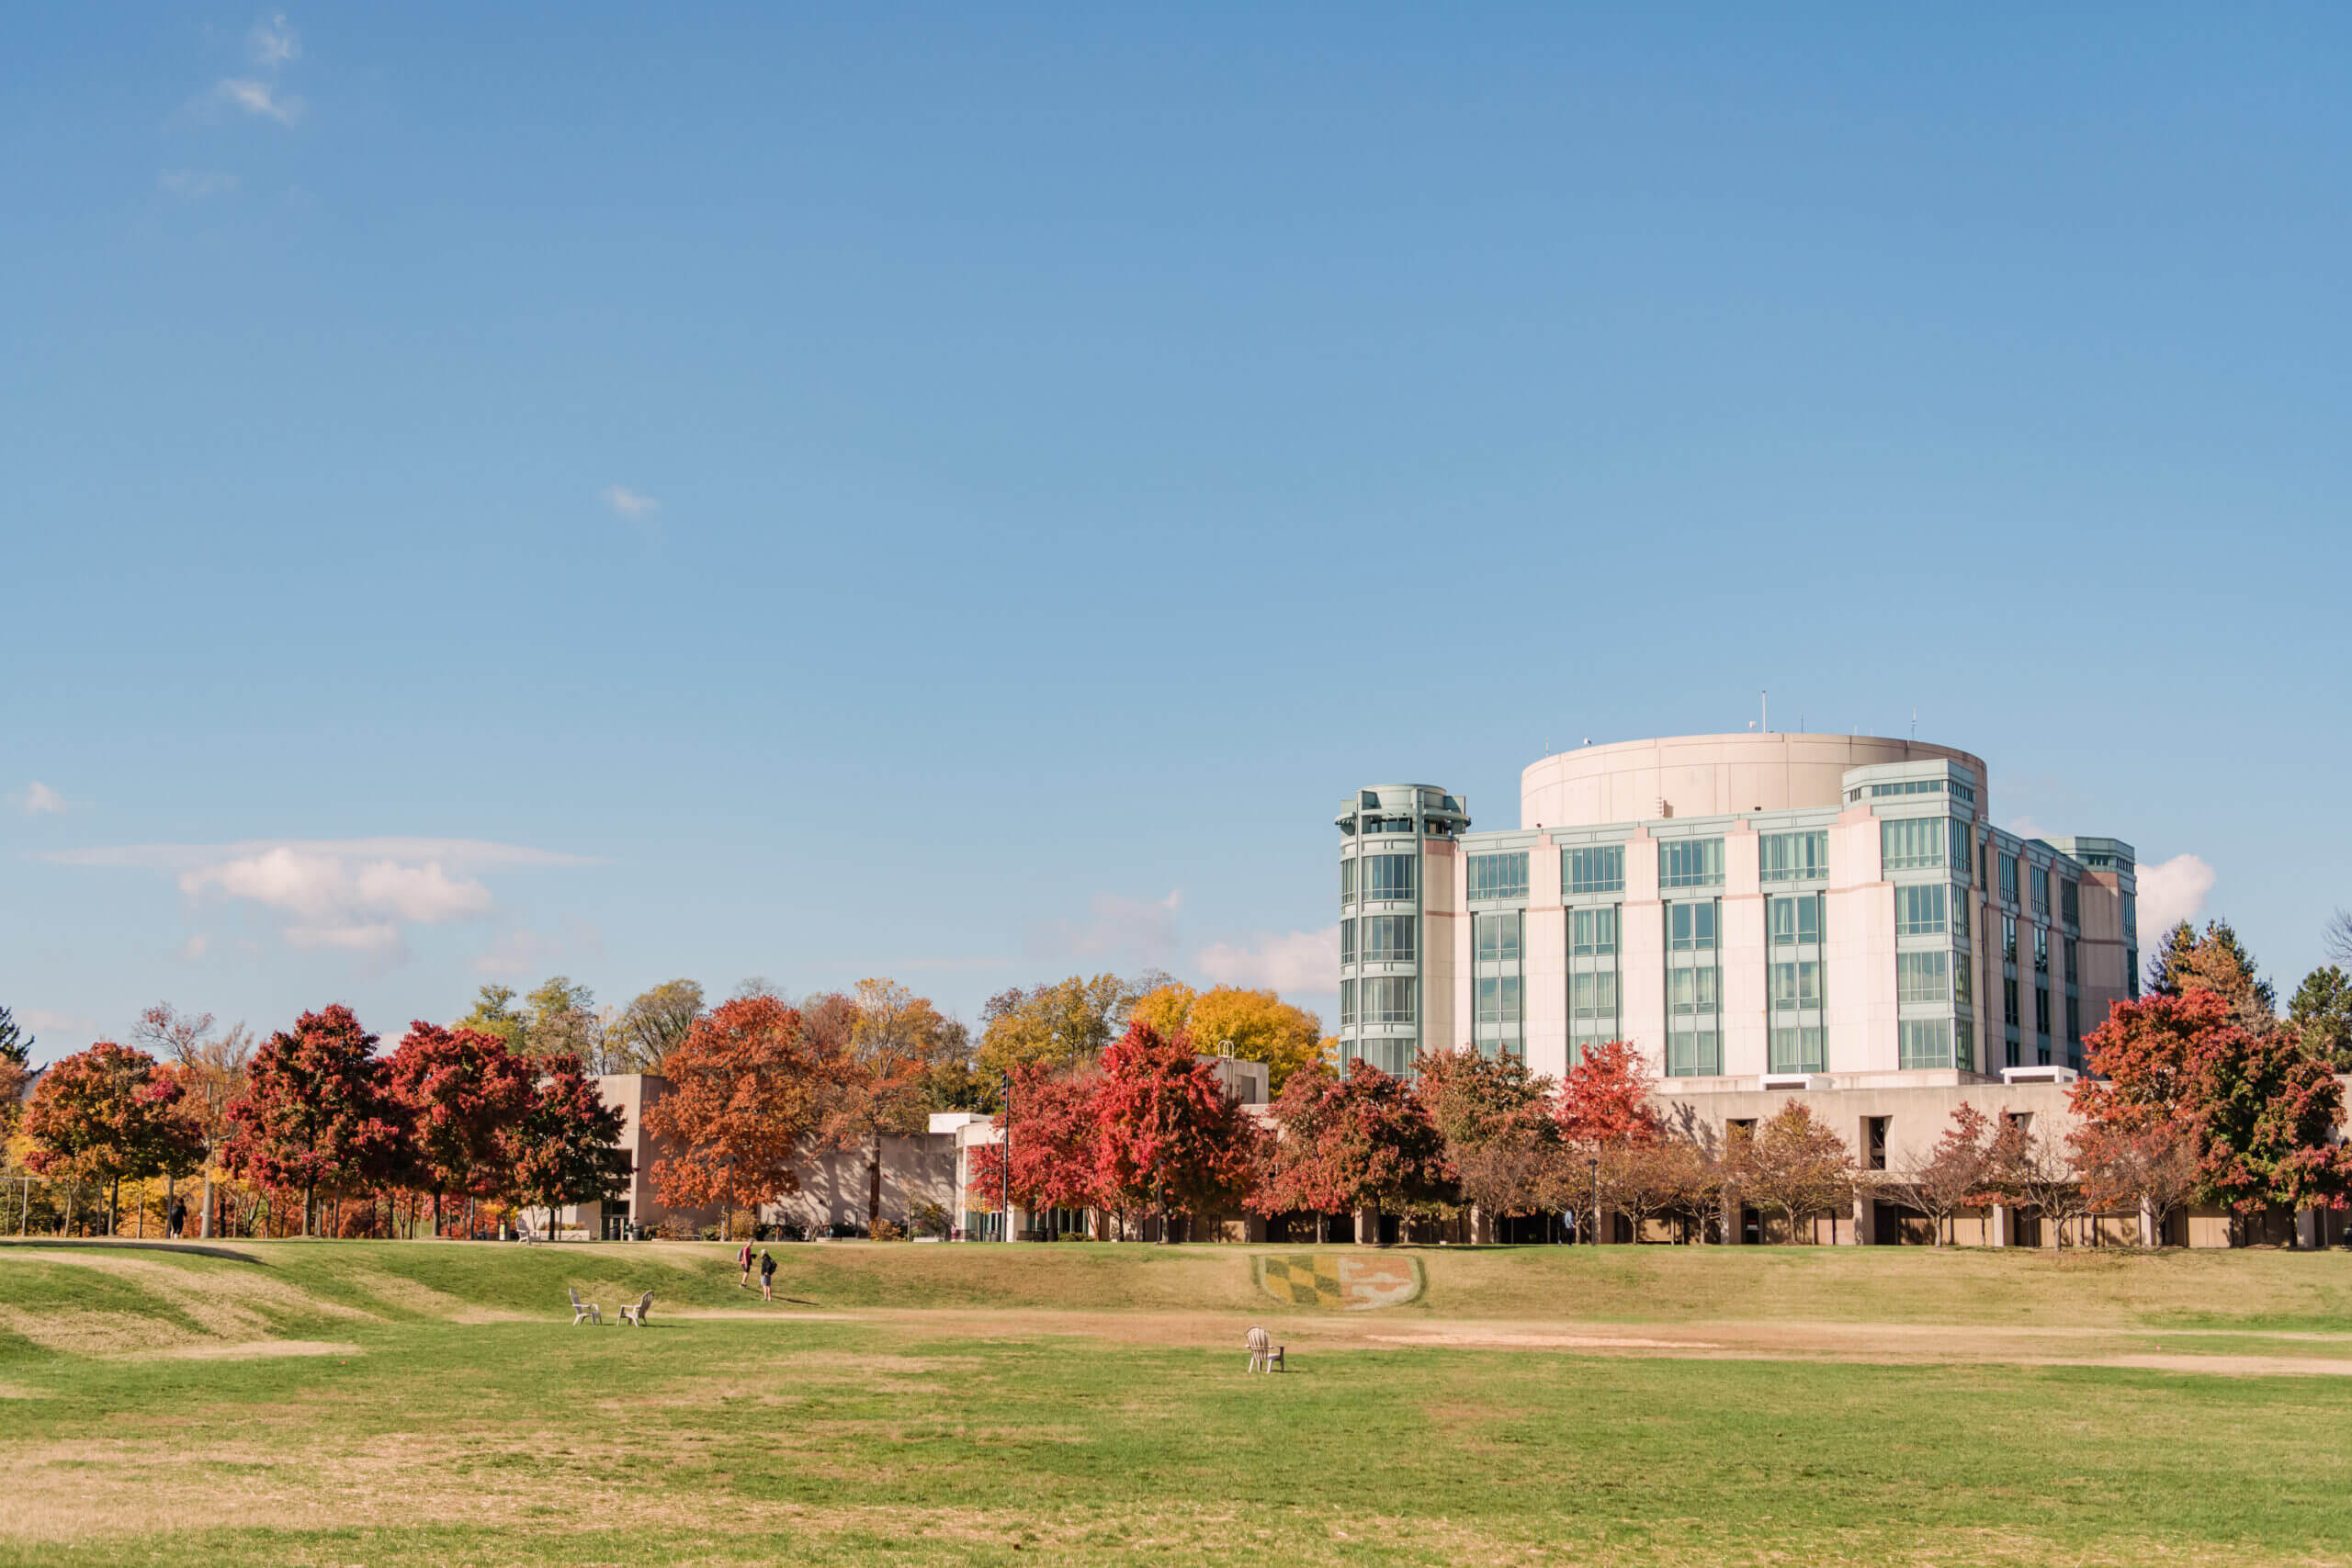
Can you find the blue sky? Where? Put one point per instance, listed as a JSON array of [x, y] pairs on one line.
[[963, 493]]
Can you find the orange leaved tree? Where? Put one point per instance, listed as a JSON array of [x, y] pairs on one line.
[[741, 1106]]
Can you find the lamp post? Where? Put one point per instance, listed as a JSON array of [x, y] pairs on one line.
[[1004, 1158], [1592, 1168]]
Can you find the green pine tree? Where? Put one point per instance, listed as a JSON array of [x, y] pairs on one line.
[[2321, 1014], [16, 1045]]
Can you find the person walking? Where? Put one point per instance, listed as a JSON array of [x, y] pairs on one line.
[[178, 1221], [744, 1257], [767, 1276]]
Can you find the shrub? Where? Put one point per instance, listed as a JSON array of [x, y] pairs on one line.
[[885, 1230]]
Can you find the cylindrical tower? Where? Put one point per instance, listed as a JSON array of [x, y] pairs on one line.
[[1398, 848], [1710, 775]]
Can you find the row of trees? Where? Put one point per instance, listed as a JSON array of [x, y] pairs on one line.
[[2186, 1105], [315, 1112]]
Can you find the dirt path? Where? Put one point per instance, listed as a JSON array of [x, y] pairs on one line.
[[1892, 1344]]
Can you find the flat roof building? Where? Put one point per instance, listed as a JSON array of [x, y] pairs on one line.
[[1743, 908]]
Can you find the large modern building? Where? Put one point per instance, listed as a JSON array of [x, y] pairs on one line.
[[1757, 910]]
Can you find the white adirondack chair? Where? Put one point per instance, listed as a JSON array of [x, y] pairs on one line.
[[1265, 1356], [583, 1312], [637, 1314]]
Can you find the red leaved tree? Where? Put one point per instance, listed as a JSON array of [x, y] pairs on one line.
[[105, 1113], [565, 1147], [2260, 1110], [1940, 1181], [1359, 1142], [463, 1090], [315, 1112], [1605, 1099], [1055, 1138], [742, 1105], [1168, 1134]]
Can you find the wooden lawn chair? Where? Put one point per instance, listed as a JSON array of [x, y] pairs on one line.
[[636, 1315], [1265, 1356], [583, 1312]]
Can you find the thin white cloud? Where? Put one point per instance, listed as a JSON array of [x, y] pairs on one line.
[[1113, 925], [258, 97], [196, 946], [274, 44], [629, 502], [1296, 963], [2171, 892], [346, 895], [196, 184], [523, 951], [40, 800]]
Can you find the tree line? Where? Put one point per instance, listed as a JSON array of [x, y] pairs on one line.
[[318, 1129]]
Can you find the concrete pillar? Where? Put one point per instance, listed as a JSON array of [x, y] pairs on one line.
[[1367, 1227], [2003, 1230], [1858, 1233]]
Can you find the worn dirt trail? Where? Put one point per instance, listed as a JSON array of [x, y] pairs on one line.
[[2201, 1350]]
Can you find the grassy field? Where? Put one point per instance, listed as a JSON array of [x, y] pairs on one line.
[[398, 1404]]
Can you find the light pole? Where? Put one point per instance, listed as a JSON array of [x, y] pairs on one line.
[[1592, 1167], [1004, 1159]]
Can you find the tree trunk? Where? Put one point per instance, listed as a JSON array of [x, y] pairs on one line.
[[309, 1206], [873, 1184], [114, 1210]]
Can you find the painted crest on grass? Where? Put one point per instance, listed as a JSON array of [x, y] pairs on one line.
[[1344, 1281]]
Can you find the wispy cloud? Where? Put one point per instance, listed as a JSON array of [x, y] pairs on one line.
[[271, 47], [194, 185], [1144, 928], [1296, 963], [2171, 892], [258, 97], [274, 44], [346, 895], [40, 800], [629, 502], [522, 951]]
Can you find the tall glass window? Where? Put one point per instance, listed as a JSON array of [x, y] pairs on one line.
[[1962, 982], [1693, 991], [2041, 950], [1592, 1004], [2073, 973], [1388, 938], [1499, 875], [1791, 921], [1498, 937], [1597, 869], [2069, 901], [1962, 835], [1924, 1042], [1910, 843], [2009, 879], [1592, 931], [1920, 909], [2010, 1014], [1348, 880], [2040, 880], [1691, 927], [1794, 857], [1498, 999], [1960, 912], [1922, 977], [2008, 939], [1347, 1001], [1388, 876], [1388, 998], [1798, 1048], [1796, 986], [1691, 862], [1347, 941]]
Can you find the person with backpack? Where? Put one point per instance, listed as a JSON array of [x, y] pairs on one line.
[[767, 1276]]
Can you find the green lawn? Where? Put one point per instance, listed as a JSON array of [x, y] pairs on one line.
[[426, 1427]]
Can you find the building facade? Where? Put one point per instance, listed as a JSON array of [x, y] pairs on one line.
[[1757, 910]]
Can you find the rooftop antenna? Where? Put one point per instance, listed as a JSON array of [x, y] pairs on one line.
[[1764, 711], [1915, 724]]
